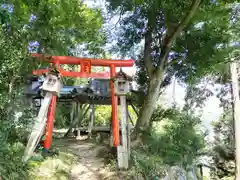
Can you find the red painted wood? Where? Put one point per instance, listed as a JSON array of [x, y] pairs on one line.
[[115, 123], [85, 72], [50, 122], [103, 75], [78, 60]]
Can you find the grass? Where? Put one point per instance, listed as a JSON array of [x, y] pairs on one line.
[[52, 168]]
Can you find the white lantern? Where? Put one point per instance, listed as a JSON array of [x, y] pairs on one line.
[[122, 84], [52, 84]]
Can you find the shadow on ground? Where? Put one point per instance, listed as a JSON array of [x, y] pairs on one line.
[[79, 160]]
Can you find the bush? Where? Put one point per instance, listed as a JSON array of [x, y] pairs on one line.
[[11, 166], [147, 165], [174, 142], [13, 135]]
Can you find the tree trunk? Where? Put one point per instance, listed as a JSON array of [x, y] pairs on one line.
[[156, 74], [150, 102]]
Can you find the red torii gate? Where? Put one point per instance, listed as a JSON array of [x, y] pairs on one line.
[[84, 72]]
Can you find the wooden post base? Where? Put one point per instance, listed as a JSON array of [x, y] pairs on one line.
[[123, 149], [122, 159]]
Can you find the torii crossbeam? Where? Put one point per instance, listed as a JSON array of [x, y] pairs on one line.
[[84, 72]]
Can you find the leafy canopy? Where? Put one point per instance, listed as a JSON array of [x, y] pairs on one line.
[[201, 46]]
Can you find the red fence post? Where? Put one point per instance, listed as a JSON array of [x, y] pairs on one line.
[[115, 124], [50, 121]]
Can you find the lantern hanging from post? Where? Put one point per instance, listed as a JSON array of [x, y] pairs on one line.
[[122, 83], [52, 83]]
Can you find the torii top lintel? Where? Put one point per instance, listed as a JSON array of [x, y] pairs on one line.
[[93, 61]]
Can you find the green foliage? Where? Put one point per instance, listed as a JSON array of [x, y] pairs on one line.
[[176, 142], [180, 140], [223, 154], [103, 115], [62, 115], [147, 166], [58, 27], [57, 167], [218, 73], [197, 43], [11, 166], [170, 45], [160, 113]]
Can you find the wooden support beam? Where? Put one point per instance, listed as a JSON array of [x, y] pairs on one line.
[[129, 116], [72, 113], [95, 129], [122, 150], [134, 108], [111, 134], [236, 114], [106, 129], [74, 123], [78, 116], [85, 108], [92, 119], [129, 133]]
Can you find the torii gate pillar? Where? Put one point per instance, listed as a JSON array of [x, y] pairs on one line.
[[85, 72]]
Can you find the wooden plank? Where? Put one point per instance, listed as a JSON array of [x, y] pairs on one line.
[[236, 113], [84, 109], [81, 98], [120, 157], [38, 127], [98, 128], [95, 129], [134, 108], [123, 120], [74, 123], [130, 118], [123, 149], [129, 134], [111, 134], [72, 113], [91, 122], [78, 116]]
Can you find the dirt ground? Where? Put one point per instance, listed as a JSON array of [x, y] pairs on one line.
[[92, 160]]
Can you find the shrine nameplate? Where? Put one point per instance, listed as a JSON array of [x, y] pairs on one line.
[[86, 67]]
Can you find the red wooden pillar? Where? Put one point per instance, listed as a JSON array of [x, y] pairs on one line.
[[50, 121], [115, 124]]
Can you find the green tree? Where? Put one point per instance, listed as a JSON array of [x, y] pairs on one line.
[[223, 148], [223, 154], [181, 38], [52, 27]]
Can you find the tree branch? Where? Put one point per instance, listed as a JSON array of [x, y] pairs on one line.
[[119, 19], [147, 57], [170, 38], [183, 23], [13, 80]]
